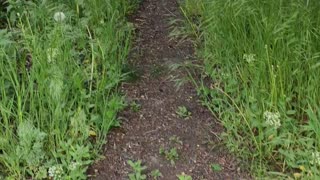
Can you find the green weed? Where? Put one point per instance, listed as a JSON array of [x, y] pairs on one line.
[[132, 73], [135, 107], [171, 154], [157, 70], [215, 167], [137, 170], [175, 139], [183, 112], [183, 176], [155, 174]]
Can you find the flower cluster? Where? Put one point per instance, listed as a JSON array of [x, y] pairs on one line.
[[316, 158], [73, 166], [52, 53], [55, 172], [272, 119], [249, 57]]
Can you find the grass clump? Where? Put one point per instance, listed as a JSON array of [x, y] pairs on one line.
[[60, 63], [263, 60]]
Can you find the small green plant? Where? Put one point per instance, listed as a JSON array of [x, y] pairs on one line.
[[184, 176], [131, 73], [157, 70], [135, 107], [155, 174], [171, 155], [138, 169], [215, 167], [183, 112], [175, 139]]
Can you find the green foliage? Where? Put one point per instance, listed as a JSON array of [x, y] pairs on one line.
[[175, 139], [183, 112], [60, 65], [263, 60], [132, 73], [138, 169], [155, 174], [135, 107], [157, 70], [171, 154], [183, 176], [215, 167], [74, 160], [29, 153]]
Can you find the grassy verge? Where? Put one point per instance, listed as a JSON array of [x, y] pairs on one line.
[[60, 64], [263, 60]]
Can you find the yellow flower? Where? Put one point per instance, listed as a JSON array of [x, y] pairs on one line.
[[297, 175], [302, 168]]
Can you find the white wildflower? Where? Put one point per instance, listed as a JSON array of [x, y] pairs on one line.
[[316, 158], [225, 75], [59, 16], [249, 57], [55, 172], [52, 54], [272, 119], [73, 166]]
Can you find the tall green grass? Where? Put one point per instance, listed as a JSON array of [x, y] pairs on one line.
[[263, 59], [60, 64]]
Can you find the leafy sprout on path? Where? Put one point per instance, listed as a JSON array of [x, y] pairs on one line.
[[175, 139], [171, 155], [183, 112], [156, 174], [138, 169], [135, 107], [215, 167], [184, 176]]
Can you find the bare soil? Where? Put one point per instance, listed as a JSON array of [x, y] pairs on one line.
[[145, 131]]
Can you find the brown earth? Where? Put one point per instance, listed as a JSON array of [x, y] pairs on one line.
[[156, 125]]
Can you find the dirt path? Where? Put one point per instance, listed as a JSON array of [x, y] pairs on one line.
[[156, 125]]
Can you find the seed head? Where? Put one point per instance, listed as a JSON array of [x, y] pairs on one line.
[[59, 16]]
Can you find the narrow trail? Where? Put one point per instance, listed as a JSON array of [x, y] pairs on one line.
[[156, 124]]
